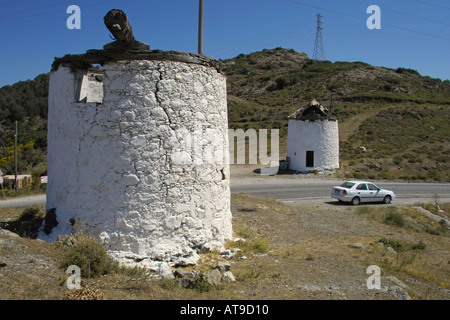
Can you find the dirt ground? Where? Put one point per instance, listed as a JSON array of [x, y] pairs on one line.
[[312, 250]]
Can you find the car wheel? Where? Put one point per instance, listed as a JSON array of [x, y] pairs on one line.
[[356, 201], [387, 199]]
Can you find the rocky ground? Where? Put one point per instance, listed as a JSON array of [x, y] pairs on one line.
[[315, 250]]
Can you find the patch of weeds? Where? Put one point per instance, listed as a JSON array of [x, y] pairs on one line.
[[395, 218], [202, 285], [259, 245], [419, 246], [276, 275], [407, 254], [167, 284], [364, 210], [90, 256], [249, 275], [244, 232], [252, 243], [130, 272], [402, 246], [29, 213]]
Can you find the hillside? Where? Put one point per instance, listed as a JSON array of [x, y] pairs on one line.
[[26, 103], [399, 117]]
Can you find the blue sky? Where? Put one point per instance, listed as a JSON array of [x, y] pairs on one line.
[[414, 33]]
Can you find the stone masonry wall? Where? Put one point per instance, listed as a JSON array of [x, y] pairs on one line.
[[144, 163]]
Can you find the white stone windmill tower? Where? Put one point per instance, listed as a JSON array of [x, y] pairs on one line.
[[313, 139], [138, 149]]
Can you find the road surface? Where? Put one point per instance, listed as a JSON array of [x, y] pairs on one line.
[[298, 188], [23, 201], [302, 190]]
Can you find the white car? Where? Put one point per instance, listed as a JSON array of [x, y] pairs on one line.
[[361, 191]]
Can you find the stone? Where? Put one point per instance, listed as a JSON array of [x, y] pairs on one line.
[[228, 277], [185, 278], [130, 179], [396, 292], [391, 250], [357, 245], [187, 261], [223, 266], [165, 271], [214, 277]]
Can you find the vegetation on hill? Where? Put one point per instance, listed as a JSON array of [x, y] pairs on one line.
[[399, 117], [26, 103]]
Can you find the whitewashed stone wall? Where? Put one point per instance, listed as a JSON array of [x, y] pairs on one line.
[[147, 167], [322, 137]]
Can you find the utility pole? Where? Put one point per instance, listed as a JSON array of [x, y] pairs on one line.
[[15, 160], [200, 27], [319, 52]]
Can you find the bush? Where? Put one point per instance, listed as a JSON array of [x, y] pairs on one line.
[[90, 256], [394, 218], [29, 213], [402, 246], [260, 245]]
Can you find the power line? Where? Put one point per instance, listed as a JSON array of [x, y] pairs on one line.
[[385, 24], [406, 14], [432, 4], [278, 34]]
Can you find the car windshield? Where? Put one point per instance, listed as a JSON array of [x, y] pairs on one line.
[[347, 185]]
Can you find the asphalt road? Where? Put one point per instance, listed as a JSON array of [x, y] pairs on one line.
[[23, 201], [307, 190], [292, 190]]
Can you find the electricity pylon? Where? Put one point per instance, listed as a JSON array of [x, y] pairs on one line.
[[319, 52]]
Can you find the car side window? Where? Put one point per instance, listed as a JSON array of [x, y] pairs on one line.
[[361, 186], [372, 186]]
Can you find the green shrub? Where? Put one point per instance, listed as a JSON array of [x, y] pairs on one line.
[[402, 246], [90, 256], [29, 213], [202, 285], [419, 246], [260, 245], [395, 218]]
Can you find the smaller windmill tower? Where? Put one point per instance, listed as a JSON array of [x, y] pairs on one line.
[[313, 139]]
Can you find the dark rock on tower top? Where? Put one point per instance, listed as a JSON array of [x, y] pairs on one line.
[[117, 23]]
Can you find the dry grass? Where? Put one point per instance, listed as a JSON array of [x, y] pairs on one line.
[[288, 252]]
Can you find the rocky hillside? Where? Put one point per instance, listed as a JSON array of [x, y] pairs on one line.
[[393, 123]]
